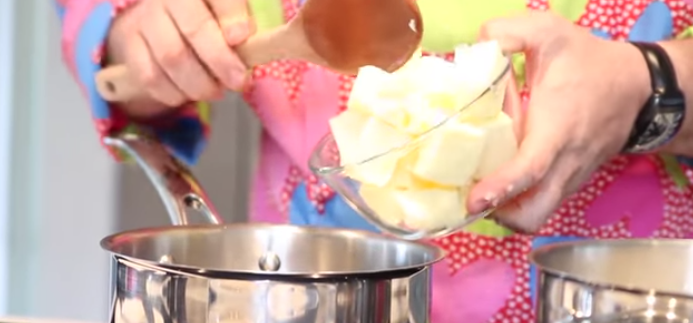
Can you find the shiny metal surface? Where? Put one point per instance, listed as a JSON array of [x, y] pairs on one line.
[[242, 248], [615, 281], [257, 272], [150, 295], [178, 188]]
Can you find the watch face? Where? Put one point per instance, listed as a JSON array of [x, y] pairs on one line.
[[663, 127]]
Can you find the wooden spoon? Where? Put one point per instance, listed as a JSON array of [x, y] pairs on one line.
[[342, 35]]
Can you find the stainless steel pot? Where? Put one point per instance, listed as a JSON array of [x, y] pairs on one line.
[[615, 281], [256, 272]]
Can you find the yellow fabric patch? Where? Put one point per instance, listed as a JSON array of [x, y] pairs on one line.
[[448, 23], [268, 14], [569, 9]]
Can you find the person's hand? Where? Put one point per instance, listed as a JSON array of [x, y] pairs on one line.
[[181, 50], [585, 95]]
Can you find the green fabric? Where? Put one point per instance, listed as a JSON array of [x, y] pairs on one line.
[[268, 14], [448, 23], [204, 109], [519, 69], [674, 169], [686, 33], [571, 10], [488, 228]]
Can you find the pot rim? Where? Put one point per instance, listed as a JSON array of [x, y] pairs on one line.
[[298, 277], [533, 255], [108, 243]]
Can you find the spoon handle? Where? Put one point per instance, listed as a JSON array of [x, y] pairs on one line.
[[114, 84], [117, 84]]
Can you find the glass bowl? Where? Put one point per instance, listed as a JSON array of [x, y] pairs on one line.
[[325, 162]]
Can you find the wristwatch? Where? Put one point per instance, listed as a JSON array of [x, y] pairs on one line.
[[662, 115]]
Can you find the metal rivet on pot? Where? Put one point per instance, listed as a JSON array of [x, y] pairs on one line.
[[166, 260], [269, 262]]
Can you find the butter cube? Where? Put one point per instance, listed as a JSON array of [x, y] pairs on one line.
[[487, 106], [451, 154], [346, 129], [383, 203], [484, 61], [404, 179], [367, 85], [411, 64], [378, 93], [377, 138], [479, 66], [390, 111], [500, 145], [431, 209], [427, 74], [438, 77], [422, 115]]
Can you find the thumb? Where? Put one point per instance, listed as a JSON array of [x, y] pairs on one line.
[[517, 33], [234, 19], [529, 211], [532, 162]]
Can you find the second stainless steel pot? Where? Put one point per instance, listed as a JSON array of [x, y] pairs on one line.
[[603, 281], [257, 272]]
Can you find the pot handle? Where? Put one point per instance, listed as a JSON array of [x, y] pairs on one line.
[[177, 187]]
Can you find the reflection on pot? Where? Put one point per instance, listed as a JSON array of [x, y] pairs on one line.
[[143, 295]]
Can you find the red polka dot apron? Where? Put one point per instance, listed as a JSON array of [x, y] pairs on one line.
[[486, 277]]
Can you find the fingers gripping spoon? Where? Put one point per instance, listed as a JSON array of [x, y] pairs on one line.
[[341, 35]]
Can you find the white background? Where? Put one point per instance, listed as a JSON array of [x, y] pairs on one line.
[[6, 22], [51, 217]]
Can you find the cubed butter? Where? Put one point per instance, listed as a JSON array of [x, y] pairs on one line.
[[500, 145], [484, 61], [479, 66], [422, 115], [431, 209], [425, 186], [376, 139], [383, 203], [439, 77], [367, 85], [346, 129], [403, 178], [391, 112], [451, 155], [487, 106], [411, 65], [378, 93]]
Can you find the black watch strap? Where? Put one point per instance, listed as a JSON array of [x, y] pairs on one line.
[[662, 116]]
